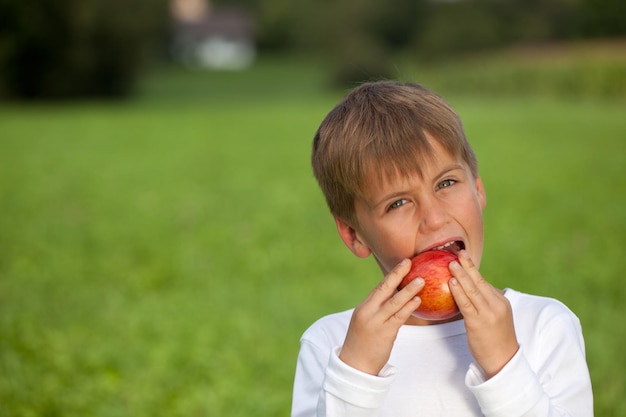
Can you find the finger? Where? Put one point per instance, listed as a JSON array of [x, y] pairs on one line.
[[486, 289], [468, 293], [468, 274], [464, 278], [402, 315], [468, 265], [397, 304], [465, 304], [388, 286]]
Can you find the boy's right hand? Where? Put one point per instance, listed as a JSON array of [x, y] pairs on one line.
[[376, 321]]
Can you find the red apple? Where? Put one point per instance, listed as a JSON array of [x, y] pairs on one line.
[[437, 301]]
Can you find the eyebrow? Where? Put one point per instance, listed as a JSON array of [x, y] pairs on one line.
[[405, 191]]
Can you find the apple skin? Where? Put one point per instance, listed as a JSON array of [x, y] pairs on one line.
[[437, 301]]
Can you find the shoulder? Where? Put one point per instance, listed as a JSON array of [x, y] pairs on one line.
[[536, 306], [329, 330], [534, 314]]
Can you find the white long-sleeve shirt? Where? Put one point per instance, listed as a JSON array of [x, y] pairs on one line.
[[432, 373]]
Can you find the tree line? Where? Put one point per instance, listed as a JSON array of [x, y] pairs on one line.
[[75, 48]]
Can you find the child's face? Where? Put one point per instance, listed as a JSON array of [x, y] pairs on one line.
[[403, 216]]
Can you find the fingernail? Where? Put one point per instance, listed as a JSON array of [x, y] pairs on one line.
[[454, 264], [417, 281], [405, 261]]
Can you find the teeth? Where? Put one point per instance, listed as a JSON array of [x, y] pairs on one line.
[[445, 245]]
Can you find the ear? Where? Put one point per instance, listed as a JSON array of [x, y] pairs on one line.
[[480, 192], [351, 238]]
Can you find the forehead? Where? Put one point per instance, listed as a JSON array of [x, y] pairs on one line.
[[388, 176]]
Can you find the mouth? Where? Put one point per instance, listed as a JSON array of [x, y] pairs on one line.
[[453, 246]]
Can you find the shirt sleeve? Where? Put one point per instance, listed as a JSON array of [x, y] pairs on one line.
[[326, 387], [309, 377], [547, 378]]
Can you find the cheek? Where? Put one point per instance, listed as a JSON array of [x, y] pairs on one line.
[[394, 246], [476, 235]]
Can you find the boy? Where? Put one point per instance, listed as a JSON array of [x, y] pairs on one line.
[[400, 178]]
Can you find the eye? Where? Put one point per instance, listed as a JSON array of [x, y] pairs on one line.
[[446, 183], [397, 204]]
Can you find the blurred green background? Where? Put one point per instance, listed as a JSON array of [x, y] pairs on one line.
[[163, 244]]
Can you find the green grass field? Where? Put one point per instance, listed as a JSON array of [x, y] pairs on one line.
[[161, 257]]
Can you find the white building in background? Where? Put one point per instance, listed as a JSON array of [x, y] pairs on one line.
[[214, 38]]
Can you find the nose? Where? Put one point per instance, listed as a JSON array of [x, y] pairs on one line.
[[433, 215]]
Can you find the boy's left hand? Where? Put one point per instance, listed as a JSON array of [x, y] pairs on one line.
[[488, 316]]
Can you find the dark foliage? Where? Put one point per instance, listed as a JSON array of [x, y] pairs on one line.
[[75, 48]]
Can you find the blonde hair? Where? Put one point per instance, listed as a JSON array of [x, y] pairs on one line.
[[379, 127]]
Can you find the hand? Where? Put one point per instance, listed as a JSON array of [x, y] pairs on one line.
[[488, 316], [376, 321]]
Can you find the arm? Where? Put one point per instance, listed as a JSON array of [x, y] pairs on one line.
[[376, 321], [354, 379], [309, 377], [328, 387], [547, 377], [488, 317]]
